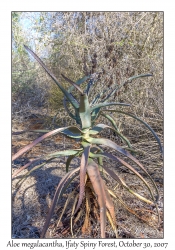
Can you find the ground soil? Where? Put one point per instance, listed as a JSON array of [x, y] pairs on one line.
[[31, 201]]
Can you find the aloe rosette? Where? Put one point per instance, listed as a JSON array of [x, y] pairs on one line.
[[91, 152]]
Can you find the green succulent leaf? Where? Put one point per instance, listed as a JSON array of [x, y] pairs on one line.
[[100, 105], [84, 111], [71, 134], [95, 99], [48, 158], [65, 153], [79, 82], [95, 151], [95, 114], [73, 83], [76, 116], [98, 128], [69, 159], [68, 111], [111, 144], [89, 85], [138, 76]]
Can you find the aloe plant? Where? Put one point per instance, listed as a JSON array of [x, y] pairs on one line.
[[91, 153]]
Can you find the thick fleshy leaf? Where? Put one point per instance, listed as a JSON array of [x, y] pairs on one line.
[[138, 76], [68, 95], [67, 110], [73, 83], [104, 104], [69, 134], [96, 150], [84, 111], [65, 153], [76, 116], [98, 99], [41, 138], [95, 99], [95, 114], [82, 80], [110, 91], [56, 196], [89, 86], [116, 177], [113, 145], [98, 128], [97, 184], [83, 166], [79, 82], [140, 120], [69, 159]]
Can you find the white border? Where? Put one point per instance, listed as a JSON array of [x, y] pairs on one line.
[[5, 96]]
